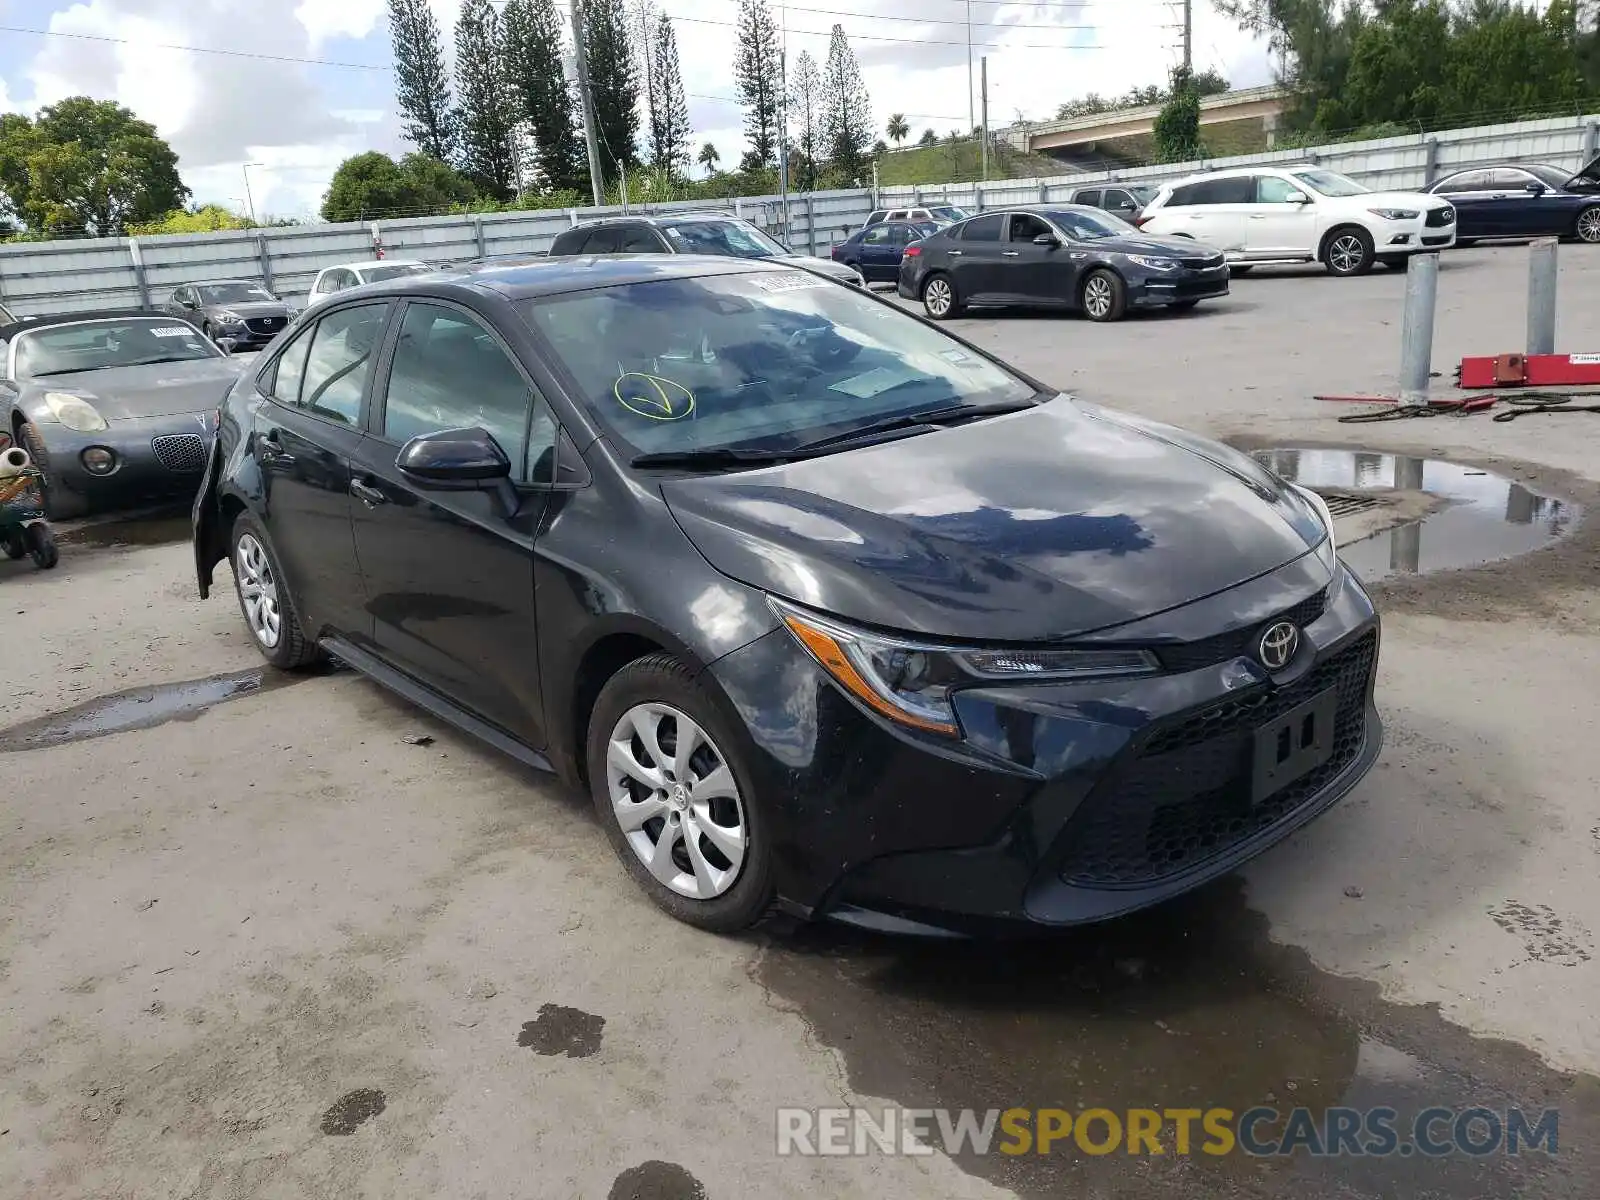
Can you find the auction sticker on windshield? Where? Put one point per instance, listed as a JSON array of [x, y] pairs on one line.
[[173, 331], [791, 281]]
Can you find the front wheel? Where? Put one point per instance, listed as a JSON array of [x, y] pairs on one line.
[[1587, 226], [939, 298], [669, 781], [1349, 252], [1104, 297], [269, 611], [42, 545], [16, 546]]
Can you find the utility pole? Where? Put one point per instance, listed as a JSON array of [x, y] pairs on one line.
[[1188, 38], [597, 179], [248, 198], [783, 127], [972, 119], [985, 95]]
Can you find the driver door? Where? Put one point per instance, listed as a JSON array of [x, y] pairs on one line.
[[1036, 274], [449, 573]]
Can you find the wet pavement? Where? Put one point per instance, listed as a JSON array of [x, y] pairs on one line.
[[1188, 1006], [127, 532], [1485, 517]]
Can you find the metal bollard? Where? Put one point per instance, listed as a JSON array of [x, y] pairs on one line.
[[1416, 335], [1542, 296]]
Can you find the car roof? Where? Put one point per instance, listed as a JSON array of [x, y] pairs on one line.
[[214, 282], [1234, 172], [359, 263], [76, 318], [699, 214]]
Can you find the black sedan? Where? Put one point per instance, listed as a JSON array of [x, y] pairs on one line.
[[237, 309], [1524, 200], [876, 251], [1060, 256], [830, 612], [114, 407]]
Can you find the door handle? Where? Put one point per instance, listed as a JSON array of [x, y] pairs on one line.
[[1011, 253], [954, 253], [1258, 218], [370, 496]]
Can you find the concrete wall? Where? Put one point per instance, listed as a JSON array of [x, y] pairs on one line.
[[70, 276]]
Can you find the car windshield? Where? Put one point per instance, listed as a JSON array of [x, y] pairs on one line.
[[232, 293], [1549, 176], [1085, 225], [97, 345], [1330, 183], [393, 271], [759, 361], [949, 212], [731, 239]]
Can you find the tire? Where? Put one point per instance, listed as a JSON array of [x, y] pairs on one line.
[[1236, 272], [1348, 251], [655, 696], [16, 546], [934, 290], [1587, 227], [59, 504], [1103, 297], [274, 624], [42, 545]]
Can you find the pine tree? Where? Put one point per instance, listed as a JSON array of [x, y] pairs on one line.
[[847, 112], [613, 80], [422, 83], [758, 75], [642, 30], [534, 74], [669, 138], [806, 111], [486, 125]]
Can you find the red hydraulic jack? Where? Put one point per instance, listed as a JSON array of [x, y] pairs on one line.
[[1529, 370]]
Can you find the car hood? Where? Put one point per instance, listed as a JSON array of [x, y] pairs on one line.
[[1151, 243], [1042, 525], [253, 308], [155, 390], [822, 266], [1411, 200], [1588, 176]]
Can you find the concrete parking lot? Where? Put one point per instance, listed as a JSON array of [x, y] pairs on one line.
[[289, 937]]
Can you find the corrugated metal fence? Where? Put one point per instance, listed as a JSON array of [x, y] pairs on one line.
[[42, 277]]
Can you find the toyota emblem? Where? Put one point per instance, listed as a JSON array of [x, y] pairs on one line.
[[1278, 645]]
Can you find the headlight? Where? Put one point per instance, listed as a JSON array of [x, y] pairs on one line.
[[912, 682], [1395, 214], [1155, 264], [1329, 549], [229, 317], [74, 412]]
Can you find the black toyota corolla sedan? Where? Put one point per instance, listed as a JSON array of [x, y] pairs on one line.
[[831, 612], [1058, 256]]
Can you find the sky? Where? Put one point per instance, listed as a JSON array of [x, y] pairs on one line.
[[293, 87]]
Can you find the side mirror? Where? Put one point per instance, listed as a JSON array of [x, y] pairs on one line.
[[454, 459], [1047, 239], [1536, 189], [1298, 198], [226, 344]]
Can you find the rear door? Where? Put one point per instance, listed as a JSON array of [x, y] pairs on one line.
[[308, 426], [975, 261], [449, 574], [879, 252]]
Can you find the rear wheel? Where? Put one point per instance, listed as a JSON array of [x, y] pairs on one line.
[[939, 298], [59, 503], [1587, 226], [269, 611], [1348, 251], [1104, 296], [669, 782]]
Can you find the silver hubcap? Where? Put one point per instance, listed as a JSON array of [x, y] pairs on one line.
[[676, 801], [258, 590], [1589, 225], [938, 297], [1346, 253], [1097, 296]]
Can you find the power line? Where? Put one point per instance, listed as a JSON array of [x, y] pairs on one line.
[[868, 37], [283, 58]]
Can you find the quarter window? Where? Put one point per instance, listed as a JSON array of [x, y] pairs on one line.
[[342, 349], [450, 373]]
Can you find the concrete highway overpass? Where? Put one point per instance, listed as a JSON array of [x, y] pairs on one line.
[[1266, 104]]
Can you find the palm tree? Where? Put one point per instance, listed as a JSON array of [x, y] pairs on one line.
[[898, 130], [709, 158]]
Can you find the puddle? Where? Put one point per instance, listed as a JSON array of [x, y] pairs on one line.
[[1485, 517], [157, 530], [1187, 1006], [142, 708]]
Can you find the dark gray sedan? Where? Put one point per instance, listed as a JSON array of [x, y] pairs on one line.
[[245, 312], [115, 408]]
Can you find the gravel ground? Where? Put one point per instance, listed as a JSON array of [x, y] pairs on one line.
[[271, 948]]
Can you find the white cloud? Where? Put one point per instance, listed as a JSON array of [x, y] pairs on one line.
[[324, 19]]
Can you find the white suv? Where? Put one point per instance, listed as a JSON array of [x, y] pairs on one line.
[[1300, 214]]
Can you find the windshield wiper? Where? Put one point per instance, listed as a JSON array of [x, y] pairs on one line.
[[717, 457], [914, 420]]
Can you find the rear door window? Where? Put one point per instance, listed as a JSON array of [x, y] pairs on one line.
[[342, 349], [983, 229], [1091, 197]]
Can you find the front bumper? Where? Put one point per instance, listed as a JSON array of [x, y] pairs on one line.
[[157, 458], [1062, 803], [1411, 237], [1177, 287]]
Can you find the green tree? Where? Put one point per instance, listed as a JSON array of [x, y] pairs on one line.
[[928, 138], [613, 80], [373, 185], [534, 74], [897, 129], [669, 107], [486, 154], [847, 111], [203, 218], [422, 84], [86, 166], [757, 74], [709, 157], [1177, 125], [807, 113]]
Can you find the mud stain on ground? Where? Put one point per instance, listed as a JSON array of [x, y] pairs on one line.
[[562, 1030], [1188, 1006], [656, 1180], [351, 1110]]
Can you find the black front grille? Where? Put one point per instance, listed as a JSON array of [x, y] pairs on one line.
[[1184, 796], [266, 325], [1436, 241], [1204, 264], [1438, 218], [1224, 647], [182, 452]]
